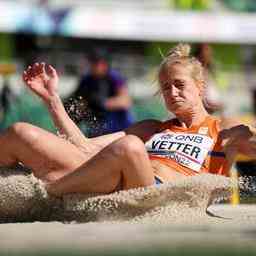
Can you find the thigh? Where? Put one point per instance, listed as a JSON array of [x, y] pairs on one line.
[[45, 153], [57, 157]]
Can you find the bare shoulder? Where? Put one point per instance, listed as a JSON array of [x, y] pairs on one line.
[[144, 129]]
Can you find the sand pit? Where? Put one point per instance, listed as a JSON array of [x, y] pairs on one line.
[[231, 234], [174, 215]]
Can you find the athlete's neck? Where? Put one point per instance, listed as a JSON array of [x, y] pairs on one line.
[[192, 117]]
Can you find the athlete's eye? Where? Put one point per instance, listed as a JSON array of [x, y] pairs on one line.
[[165, 86], [179, 83]]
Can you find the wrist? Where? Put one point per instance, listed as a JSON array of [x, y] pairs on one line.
[[53, 102]]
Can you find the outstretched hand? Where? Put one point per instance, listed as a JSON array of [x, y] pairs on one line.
[[237, 133], [42, 79]]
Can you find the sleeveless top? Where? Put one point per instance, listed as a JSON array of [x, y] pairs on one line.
[[189, 151]]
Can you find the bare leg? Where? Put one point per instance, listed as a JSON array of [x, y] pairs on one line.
[[124, 161], [49, 156]]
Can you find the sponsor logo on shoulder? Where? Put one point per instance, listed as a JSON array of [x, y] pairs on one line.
[[203, 130]]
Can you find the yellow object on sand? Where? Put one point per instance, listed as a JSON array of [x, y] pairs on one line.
[[235, 197]]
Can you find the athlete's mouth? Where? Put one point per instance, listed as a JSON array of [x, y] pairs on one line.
[[176, 101]]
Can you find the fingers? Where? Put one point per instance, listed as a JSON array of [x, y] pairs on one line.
[[32, 72], [41, 68], [51, 71], [24, 76], [26, 73], [38, 69]]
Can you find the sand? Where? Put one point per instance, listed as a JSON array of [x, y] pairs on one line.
[[232, 234], [181, 213], [23, 198]]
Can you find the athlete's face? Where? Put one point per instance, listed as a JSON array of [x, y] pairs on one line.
[[180, 91]]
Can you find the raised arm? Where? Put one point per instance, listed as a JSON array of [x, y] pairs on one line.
[[43, 80]]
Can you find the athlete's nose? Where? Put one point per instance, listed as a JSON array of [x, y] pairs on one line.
[[174, 91]]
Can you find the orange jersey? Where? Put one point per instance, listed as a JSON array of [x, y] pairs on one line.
[[189, 150]]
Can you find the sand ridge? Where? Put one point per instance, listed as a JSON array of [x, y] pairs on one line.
[[23, 199]]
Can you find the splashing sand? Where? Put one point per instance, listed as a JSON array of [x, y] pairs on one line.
[[23, 198], [247, 185], [78, 110]]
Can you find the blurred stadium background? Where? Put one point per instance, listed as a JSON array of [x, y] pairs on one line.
[[61, 32], [134, 33]]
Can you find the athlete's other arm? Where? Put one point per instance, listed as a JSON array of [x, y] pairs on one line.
[[43, 80], [144, 129], [239, 136]]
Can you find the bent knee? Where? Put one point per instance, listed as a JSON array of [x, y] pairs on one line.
[[24, 131], [129, 145]]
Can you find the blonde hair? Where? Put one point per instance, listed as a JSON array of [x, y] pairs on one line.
[[180, 54]]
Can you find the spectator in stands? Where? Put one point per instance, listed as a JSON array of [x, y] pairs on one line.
[[106, 96]]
